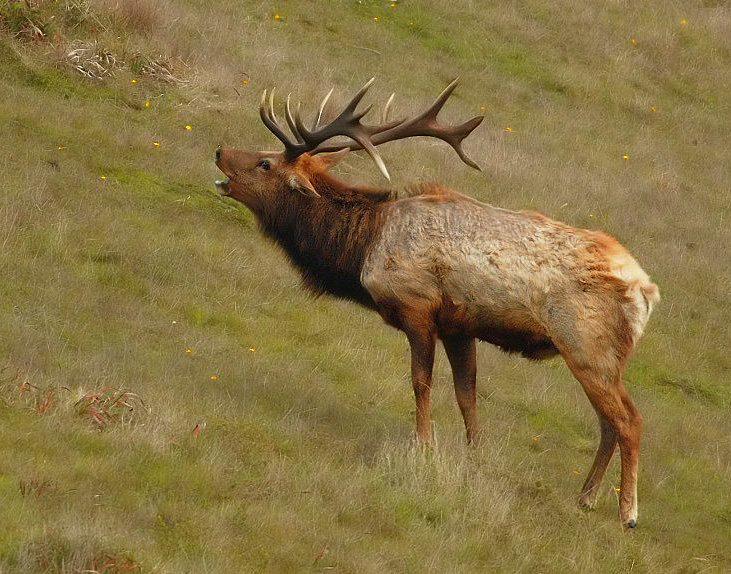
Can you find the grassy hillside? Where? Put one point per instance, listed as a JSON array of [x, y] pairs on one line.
[[171, 401]]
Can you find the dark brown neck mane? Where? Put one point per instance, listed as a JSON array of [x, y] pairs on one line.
[[328, 238]]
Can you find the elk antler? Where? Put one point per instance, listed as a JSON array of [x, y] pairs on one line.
[[366, 137]]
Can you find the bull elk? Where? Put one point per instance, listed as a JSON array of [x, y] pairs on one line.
[[440, 265]]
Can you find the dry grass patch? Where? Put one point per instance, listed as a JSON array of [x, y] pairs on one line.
[[17, 390], [162, 68], [53, 553], [109, 564], [34, 487], [102, 407], [92, 61], [107, 406]]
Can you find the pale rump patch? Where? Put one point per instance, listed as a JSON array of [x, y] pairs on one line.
[[640, 289], [625, 267]]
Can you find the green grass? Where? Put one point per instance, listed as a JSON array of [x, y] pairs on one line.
[[117, 257]]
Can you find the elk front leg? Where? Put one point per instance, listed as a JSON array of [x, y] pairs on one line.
[[422, 362], [462, 355]]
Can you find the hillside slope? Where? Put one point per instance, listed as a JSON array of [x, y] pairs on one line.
[[171, 401]]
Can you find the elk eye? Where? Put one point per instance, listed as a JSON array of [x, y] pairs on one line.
[[264, 164]]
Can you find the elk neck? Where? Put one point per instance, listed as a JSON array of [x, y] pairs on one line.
[[328, 238]]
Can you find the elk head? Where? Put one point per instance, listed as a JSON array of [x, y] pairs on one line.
[[254, 176]]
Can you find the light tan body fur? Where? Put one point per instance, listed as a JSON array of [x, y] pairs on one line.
[[504, 270]]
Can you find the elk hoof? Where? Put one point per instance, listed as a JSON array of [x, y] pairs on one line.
[[587, 501], [586, 505]]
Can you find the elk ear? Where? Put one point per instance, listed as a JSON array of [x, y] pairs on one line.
[[302, 184], [330, 159]]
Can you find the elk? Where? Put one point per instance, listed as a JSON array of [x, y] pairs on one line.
[[440, 265]]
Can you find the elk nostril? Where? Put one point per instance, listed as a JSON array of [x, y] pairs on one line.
[[218, 153]]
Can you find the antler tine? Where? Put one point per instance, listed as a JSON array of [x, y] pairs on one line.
[[270, 120], [371, 150], [290, 121], [361, 114], [387, 108], [438, 104], [304, 132], [379, 162], [350, 108], [459, 134], [262, 107], [316, 123], [271, 106]]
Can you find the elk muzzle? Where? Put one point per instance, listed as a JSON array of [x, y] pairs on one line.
[[221, 184]]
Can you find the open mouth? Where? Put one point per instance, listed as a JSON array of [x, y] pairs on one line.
[[222, 186]]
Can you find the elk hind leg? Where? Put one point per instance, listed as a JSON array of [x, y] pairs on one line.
[[611, 401]]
